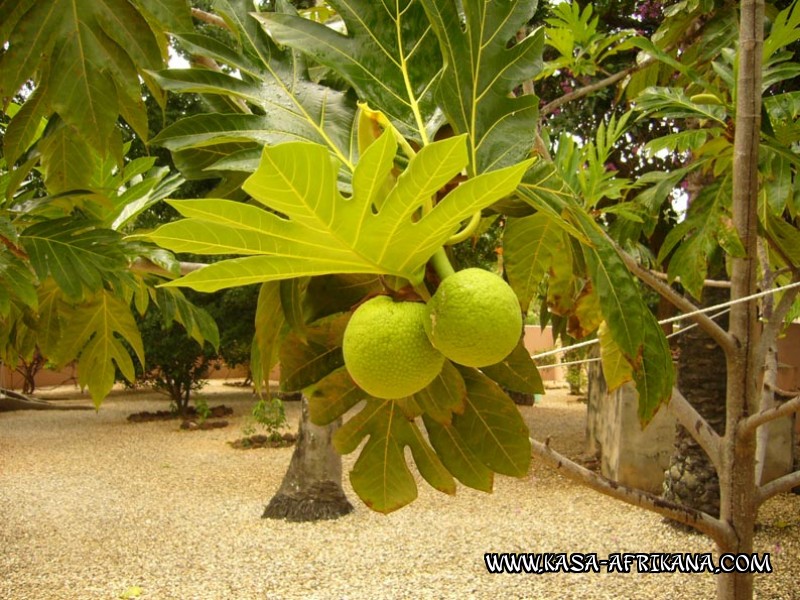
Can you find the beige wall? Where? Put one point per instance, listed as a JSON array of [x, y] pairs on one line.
[[536, 340]]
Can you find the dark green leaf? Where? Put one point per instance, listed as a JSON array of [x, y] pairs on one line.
[[77, 254], [528, 247], [444, 396], [481, 72], [389, 56], [269, 323]]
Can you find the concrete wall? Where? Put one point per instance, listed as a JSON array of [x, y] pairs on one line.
[[638, 457], [629, 454]]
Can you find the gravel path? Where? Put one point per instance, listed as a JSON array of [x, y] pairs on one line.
[[93, 506]]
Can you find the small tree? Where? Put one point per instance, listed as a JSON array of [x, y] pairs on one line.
[[177, 365]]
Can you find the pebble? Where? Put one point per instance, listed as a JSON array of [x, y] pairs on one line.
[[95, 507]]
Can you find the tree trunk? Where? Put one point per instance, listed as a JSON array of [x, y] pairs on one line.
[[312, 487], [738, 505], [692, 479], [10, 400]]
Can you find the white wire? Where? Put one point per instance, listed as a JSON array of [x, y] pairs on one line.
[[725, 305]]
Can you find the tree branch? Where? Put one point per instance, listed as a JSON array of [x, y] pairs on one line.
[[591, 88], [719, 531], [748, 425], [717, 333], [777, 486], [697, 426], [714, 283]]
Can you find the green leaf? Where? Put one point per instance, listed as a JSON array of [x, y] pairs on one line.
[[305, 362], [197, 322], [157, 186], [81, 53], [49, 317], [324, 233], [78, 255], [329, 294], [492, 426], [93, 334], [708, 225], [457, 456], [293, 292], [380, 476], [517, 372], [269, 323], [332, 396], [444, 396], [172, 15], [673, 103], [388, 55], [655, 376], [481, 72], [528, 247], [630, 323], [17, 281], [67, 161], [784, 236], [276, 81], [26, 126]]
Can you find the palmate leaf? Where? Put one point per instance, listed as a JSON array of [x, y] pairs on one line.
[[324, 233], [380, 476], [92, 332], [83, 55], [389, 55], [305, 362], [197, 322], [492, 426], [274, 80], [78, 255], [269, 323], [481, 72]]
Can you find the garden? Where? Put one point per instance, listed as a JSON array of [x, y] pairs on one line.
[[364, 206]]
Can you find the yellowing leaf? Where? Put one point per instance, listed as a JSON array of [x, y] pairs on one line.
[[616, 369]]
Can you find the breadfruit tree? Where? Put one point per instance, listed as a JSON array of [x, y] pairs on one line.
[[365, 151]]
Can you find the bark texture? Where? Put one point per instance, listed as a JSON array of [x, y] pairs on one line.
[[691, 479], [311, 490]]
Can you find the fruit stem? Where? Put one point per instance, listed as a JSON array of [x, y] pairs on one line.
[[441, 264], [466, 232]]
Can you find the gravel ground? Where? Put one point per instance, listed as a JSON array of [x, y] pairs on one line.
[[93, 506]]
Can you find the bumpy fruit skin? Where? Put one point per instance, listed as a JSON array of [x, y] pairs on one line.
[[386, 350], [474, 318]]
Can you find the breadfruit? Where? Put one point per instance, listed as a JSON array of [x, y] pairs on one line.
[[474, 318], [386, 350]]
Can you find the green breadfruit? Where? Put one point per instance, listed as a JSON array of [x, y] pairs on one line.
[[474, 318], [386, 350]]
